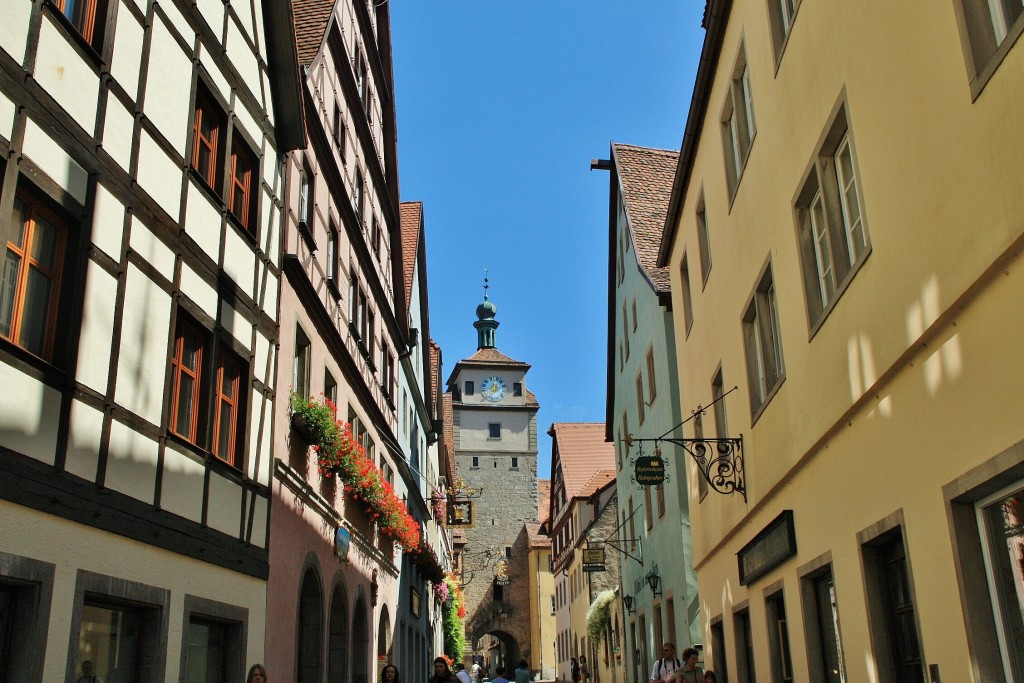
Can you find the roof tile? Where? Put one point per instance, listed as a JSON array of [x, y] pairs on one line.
[[311, 18], [411, 216], [582, 451]]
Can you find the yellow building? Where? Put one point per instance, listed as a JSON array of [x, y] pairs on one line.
[[542, 589], [844, 238]]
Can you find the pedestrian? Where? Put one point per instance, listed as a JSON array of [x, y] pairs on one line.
[[461, 674], [87, 674], [522, 674], [574, 670], [257, 674], [475, 671], [710, 677], [442, 674], [690, 673], [665, 668], [500, 678], [389, 674], [584, 669]]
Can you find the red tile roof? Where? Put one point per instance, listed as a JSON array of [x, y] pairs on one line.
[[448, 437], [490, 356], [646, 177], [435, 367], [411, 215], [597, 482], [582, 451], [543, 498], [537, 539], [311, 18]]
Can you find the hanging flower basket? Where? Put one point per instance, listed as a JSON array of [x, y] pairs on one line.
[[303, 429], [340, 453]]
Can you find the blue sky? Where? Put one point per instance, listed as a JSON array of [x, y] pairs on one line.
[[501, 106]]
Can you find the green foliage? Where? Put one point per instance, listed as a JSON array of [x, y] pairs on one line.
[[451, 622], [599, 615]]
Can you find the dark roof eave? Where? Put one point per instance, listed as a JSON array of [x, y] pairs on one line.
[[285, 82], [716, 17]]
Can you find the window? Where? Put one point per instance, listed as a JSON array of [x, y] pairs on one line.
[[652, 385], [717, 396], [88, 17], [228, 416], [891, 608], [508, 552], [30, 285], [331, 389], [648, 508], [111, 640], [625, 330], [339, 130], [698, 433], [494, 430], [781, 14], [301, 363], [821, 626], [475, 461], [470, 388], [640, 399], [212, 650], [738, 127], [332, 254], [209, 132], [634, 315], [832, 235], [244, 183], [778, 638], [186, 374], [989, 29], [632, 524], [306, 199], [660, 491], [26, 589], [625, 435], [745, 661], [515, 463], [375, 238], [1001, 521], [684, 279], [517, 388], [763, 343], [357, 196], [309, 628], [703, 240], [552, 604]]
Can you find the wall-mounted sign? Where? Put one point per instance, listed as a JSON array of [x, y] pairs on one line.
[[342, 541], [771, 547], [502, 572], [460, 513], [593, 556], [650, 470], [594, 568]]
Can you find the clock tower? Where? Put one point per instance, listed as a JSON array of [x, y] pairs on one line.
[[494, 416]]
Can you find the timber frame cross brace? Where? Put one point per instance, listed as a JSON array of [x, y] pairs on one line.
[[719, 460]]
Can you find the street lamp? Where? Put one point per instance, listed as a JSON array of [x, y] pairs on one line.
[[627, 601], [654, 581]]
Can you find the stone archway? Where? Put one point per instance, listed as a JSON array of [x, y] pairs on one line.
[[497, 648]]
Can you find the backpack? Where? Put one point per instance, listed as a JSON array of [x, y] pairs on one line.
[[661, 665]]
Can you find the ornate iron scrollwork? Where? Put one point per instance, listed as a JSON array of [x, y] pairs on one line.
[[720, 462]]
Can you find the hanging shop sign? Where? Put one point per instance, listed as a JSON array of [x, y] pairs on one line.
[[342, 541], [593, 560], [502, 572], [460, 513], [650, 470]]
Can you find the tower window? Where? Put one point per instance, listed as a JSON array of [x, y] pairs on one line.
[[517, 388], [508, 552], [515, 463], [469, 388], [476, 461], [494, 430]]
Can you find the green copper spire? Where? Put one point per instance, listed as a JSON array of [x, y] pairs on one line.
[[485, 324]]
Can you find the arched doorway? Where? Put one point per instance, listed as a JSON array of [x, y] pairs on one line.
[[337, 637], [383, 641], [360, 643], [497, 649], [309, 631]]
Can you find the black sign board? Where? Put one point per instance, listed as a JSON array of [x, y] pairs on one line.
[[593, 568], [650, 470], [774, 545]]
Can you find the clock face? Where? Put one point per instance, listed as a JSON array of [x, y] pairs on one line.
[[493, 389]]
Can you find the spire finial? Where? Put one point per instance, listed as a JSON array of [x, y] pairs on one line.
[[486, 286]]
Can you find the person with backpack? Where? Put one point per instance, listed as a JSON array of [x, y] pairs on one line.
[[665, 668]]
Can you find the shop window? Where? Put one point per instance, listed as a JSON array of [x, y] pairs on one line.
[[30, 284]]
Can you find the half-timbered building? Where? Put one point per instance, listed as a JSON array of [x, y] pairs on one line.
[[140, 156], [346, 334]]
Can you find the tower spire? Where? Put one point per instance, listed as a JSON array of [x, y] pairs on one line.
[[485, 323]]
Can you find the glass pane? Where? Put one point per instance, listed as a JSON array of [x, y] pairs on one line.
[[35, 312], [186, 399], [228, 377], [190, 346], [108, 641], [8, 288], [1005, 522], [18, 221], [44, 242], [204, 164], [225, 431]]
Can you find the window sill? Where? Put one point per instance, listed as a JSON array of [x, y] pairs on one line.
[[242, 230], [332, 287], [985, 74], [735, 189], [307, 234]]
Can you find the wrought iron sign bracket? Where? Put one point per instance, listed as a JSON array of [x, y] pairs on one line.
[[614, 545], [719, 460]]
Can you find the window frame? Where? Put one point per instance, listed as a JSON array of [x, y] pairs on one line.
[[641, 413], [738, 123], [652, 383], [247, 183], [91, 24], [781, 18], [27, 263], [703, 239], [780, 652], [821, 212], [686, 292], [207, 106], [983, 53], [762, 342], [494, 431]]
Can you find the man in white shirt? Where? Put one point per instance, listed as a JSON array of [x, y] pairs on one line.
[[460, 673], [665, 668], [476, 672]]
